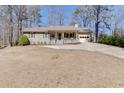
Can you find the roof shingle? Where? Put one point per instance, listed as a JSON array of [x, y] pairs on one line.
[[56, 28]]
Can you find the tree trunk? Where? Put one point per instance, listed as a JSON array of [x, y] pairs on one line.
[[10, 25], [11, 28], [97, 23], [20, 28], [96, 31]]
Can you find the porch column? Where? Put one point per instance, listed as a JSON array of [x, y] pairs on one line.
[[49, 38], [56, 37], [91, 37], [76, 35], [63, 37]]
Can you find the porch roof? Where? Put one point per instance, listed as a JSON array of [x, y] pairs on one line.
[[84, 30], [62, 28]]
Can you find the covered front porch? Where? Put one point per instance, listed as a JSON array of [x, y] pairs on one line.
[[63, 37]]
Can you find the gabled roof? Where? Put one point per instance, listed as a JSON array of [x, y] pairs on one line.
[[86, 30], [56, 29]]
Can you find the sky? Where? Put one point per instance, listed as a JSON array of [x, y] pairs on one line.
[[67, 12], [118, 10], [70, 8]]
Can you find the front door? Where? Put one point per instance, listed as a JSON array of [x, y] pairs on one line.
[[59, 39]]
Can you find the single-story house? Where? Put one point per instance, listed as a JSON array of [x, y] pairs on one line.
[[58, 34]]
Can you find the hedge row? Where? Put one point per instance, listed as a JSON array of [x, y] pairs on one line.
[[112, 40]]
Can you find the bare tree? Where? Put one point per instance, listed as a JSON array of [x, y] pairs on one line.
[[55, 15], [34, 15], [6, 25], [10, 12], [82, 15], [13, 19], [117, 23], [98, 15], [20, 12], [101, 16]]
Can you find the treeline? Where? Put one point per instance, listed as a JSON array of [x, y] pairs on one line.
[[114, 40], [94, 16], [13, 18], [102, 19], [99, 18]]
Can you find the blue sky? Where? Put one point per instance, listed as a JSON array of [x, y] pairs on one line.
[[118, 10], [67, 12], [70, 8]]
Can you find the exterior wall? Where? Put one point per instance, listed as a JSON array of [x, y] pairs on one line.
[[38, 38], [93, 37], [64, 39], [44, 38]]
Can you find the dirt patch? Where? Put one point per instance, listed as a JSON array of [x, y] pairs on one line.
[[34, 66]]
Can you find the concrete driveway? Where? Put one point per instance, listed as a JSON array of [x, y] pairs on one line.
[[106, 49]]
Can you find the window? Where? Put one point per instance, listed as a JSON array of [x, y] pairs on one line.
[[71, 35], [81, 37], [52, 36], [44, 35], [66, 35], [31, 35], [84, 36]]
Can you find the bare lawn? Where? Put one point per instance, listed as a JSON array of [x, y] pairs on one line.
[[34, 66]]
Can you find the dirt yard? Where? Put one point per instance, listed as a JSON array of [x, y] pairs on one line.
[[34, 66]]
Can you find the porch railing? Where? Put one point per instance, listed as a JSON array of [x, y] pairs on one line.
[[64, 41], [70, 41]]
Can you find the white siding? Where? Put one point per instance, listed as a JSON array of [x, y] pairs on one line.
[[38, 38], [45, 38]]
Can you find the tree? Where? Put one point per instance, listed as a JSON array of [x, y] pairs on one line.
[[34, 15], [20, 12], [97, 14], [101, 15], [82, 15], [117, 23], [6, 25], [12, 20], [55, 15], [10, 11]]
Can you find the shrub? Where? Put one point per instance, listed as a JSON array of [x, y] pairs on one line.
[[23, 40], [104, 39], [121, 41], [112, 40]]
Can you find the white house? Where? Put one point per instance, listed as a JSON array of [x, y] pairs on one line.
[[58, 34]]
